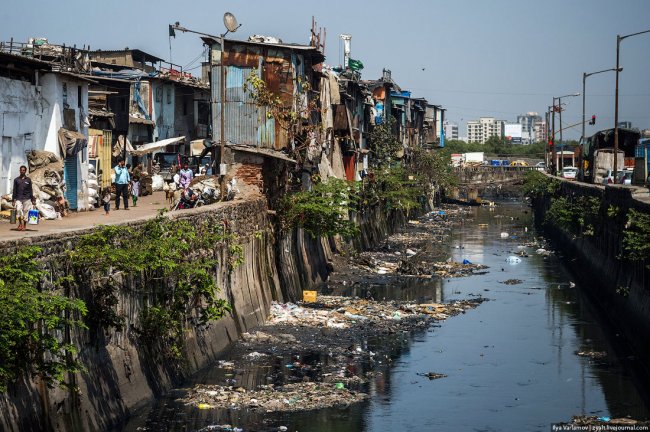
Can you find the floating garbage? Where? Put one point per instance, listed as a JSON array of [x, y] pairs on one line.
[[505, 235], [624, 423], [591, 354], [269, 398], [513, 259], [512, 282], [433, 375]]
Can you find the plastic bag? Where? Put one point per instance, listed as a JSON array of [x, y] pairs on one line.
[[157, 182], [47, 211]]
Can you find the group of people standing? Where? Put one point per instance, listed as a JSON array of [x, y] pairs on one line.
[[126, 183]]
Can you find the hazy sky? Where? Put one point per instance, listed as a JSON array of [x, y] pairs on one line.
[[474, 57]]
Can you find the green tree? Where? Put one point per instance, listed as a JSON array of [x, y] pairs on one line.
[[33, 322], [324, 210], [384, 143]]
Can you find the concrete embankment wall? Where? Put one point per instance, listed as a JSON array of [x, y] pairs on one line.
[[620, 287], [122, 374]]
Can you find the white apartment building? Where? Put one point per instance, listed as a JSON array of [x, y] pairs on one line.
[[540, 131], [451, 130], [482, 129]]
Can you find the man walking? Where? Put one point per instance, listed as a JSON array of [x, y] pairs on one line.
[[122, 179], [22, 197]]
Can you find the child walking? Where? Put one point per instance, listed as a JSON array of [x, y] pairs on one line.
[[135, 190], [106, 199]]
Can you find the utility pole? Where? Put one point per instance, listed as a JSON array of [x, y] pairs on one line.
[[231, 25], [619, 38], [554, 151]]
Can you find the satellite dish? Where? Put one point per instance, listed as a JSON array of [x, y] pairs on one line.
[[230, 22]]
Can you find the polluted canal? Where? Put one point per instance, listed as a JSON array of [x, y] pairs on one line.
[[464, 320]]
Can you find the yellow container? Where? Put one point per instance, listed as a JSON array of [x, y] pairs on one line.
[[309, 296]]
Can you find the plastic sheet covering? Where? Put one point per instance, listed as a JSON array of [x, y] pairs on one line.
[[71, 142]]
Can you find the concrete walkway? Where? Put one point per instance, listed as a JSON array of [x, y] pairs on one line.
[[147, 207]]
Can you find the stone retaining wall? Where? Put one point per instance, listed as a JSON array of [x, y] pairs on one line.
[[120, 373], [596, 261]]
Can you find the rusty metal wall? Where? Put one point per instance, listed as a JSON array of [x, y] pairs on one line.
[[245, 122]]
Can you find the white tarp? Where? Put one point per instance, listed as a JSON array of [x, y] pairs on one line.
[[151, 147]]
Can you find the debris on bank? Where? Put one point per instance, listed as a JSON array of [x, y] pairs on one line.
[[343, 312], [605, 421], [269, 398], [454, 269], [591, 354]]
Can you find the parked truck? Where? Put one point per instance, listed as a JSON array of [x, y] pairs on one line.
[[604, 164]]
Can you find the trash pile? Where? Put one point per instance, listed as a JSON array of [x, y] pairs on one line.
[[604, 421], [48, 185], [343, 312], [455, 269], [93, 191], [46, 173], [270, 398]]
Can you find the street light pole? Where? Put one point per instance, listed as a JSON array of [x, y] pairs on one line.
[[231, 26], [619, 38], [584, 95], [559, 98]]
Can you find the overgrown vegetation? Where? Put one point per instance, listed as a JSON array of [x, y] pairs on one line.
[[396, 188], [171, 262], [537, 185], [383, 143], [323, 210], [172, 259], [579, 216], [33, 322], [433, 167], [636, 236]]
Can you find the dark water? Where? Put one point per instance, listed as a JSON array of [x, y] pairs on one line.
[[510, 363]]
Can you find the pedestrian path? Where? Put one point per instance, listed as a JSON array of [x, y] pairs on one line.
[[148, 206]]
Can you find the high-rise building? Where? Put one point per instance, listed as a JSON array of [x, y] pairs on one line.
[[527, 122], [451, 130], [482, 129], [540, 131]]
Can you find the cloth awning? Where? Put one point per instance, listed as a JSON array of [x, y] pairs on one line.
[[151, 147]]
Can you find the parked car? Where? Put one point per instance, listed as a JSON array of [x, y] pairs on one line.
[[540, 166], [570, 173], [624, 177], [519, 163]]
